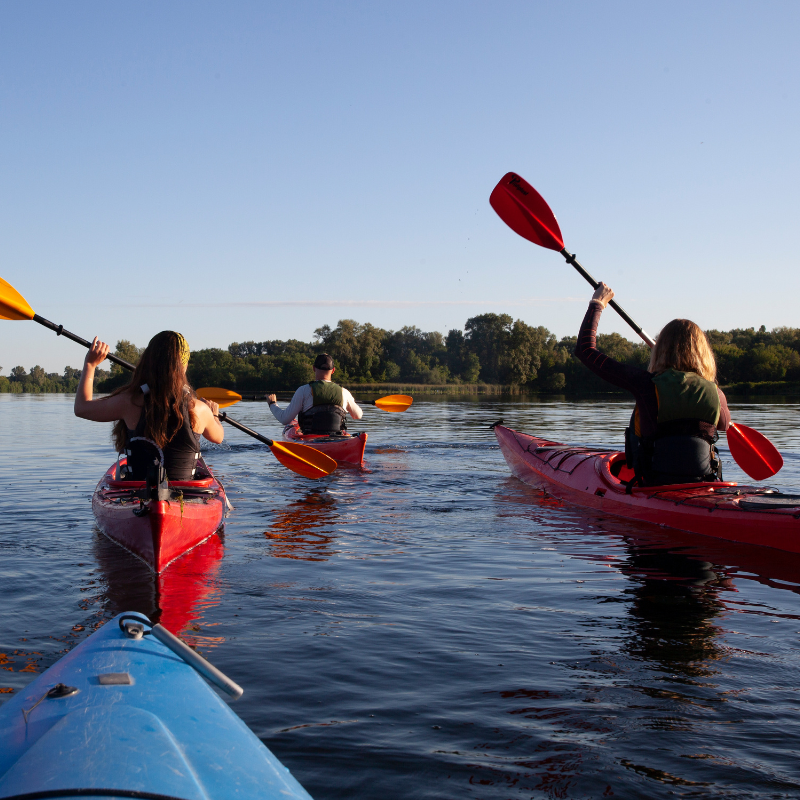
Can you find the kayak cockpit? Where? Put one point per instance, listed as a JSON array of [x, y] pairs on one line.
[[202, 480], [615, 473]]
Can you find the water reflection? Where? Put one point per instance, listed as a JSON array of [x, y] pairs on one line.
[[305, 529], [674, 602], [178, 598], [673, 588], [670, 642]]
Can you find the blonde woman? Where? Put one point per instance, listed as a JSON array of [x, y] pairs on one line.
[[679, 407]]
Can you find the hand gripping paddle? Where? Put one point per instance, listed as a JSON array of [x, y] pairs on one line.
[[526, 212], [299, 458]]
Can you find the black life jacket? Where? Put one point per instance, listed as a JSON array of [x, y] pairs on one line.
[[682, 450], [326, 416], [179, 457]]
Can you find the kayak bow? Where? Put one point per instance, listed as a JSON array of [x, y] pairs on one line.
[[126, 714]]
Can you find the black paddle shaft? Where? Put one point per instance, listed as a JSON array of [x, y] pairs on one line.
[[638, 328], [59, 329], [244, 429], [264, 397]]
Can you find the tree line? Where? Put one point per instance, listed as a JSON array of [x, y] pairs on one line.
[[491, 349]]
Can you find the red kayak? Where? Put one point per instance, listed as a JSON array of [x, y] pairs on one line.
[[346, 449], [595, 479], [159, 531]]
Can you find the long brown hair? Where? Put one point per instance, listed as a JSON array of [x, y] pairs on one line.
[[683, 346], [162, 369]]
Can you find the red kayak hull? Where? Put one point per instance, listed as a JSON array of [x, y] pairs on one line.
[[167, 529], [345, 449], [594, 479]]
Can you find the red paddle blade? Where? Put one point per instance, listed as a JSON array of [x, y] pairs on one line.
[[525, 211], [753, 452]]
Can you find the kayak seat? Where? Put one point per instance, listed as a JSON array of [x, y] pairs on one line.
[[620, 470], [613, 471], [203, 479], [133, 485]]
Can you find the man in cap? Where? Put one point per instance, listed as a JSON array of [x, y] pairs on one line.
[[321, 407]]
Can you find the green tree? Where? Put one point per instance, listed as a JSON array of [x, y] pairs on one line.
[[127, 351], [771, 362], [37, 376], [487, 336], [212, 367], [356, 349]]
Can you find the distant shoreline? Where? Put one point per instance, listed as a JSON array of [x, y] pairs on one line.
[[788, 389]]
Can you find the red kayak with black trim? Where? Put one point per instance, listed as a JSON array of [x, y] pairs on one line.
[[159, 531], [595, 478], [344, 447]]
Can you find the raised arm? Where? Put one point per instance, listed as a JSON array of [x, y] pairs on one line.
[[286, 415], [626, 377], [106, 409]]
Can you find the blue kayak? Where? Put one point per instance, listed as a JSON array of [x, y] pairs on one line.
[[127, 714]]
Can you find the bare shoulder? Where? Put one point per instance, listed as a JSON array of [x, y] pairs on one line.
[[124, 401], [202, 414]]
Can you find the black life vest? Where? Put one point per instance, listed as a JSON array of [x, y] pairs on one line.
[[327, 416], [179, 457], [682, 449]]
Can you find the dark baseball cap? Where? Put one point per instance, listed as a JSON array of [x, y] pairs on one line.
[[323, 361]]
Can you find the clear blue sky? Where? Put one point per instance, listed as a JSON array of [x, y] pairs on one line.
[[254, 170]]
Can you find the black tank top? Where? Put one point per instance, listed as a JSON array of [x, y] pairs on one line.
[[180, 454]]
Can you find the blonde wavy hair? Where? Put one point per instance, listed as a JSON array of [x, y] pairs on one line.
[[683, 346]]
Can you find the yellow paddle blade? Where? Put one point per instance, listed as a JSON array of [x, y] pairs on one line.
[[12, 304], [303, 460], [394, 402], [222, 397]]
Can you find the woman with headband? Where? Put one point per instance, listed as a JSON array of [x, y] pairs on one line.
[[156, 412]]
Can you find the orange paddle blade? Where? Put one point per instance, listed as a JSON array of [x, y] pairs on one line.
[[222, 397], [303, 460], [12, 304], [394, 402], [753, 452]]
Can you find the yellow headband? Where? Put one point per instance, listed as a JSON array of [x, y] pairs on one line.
[[184, 350]]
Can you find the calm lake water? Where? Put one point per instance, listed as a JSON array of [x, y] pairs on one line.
[[431, 627]]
